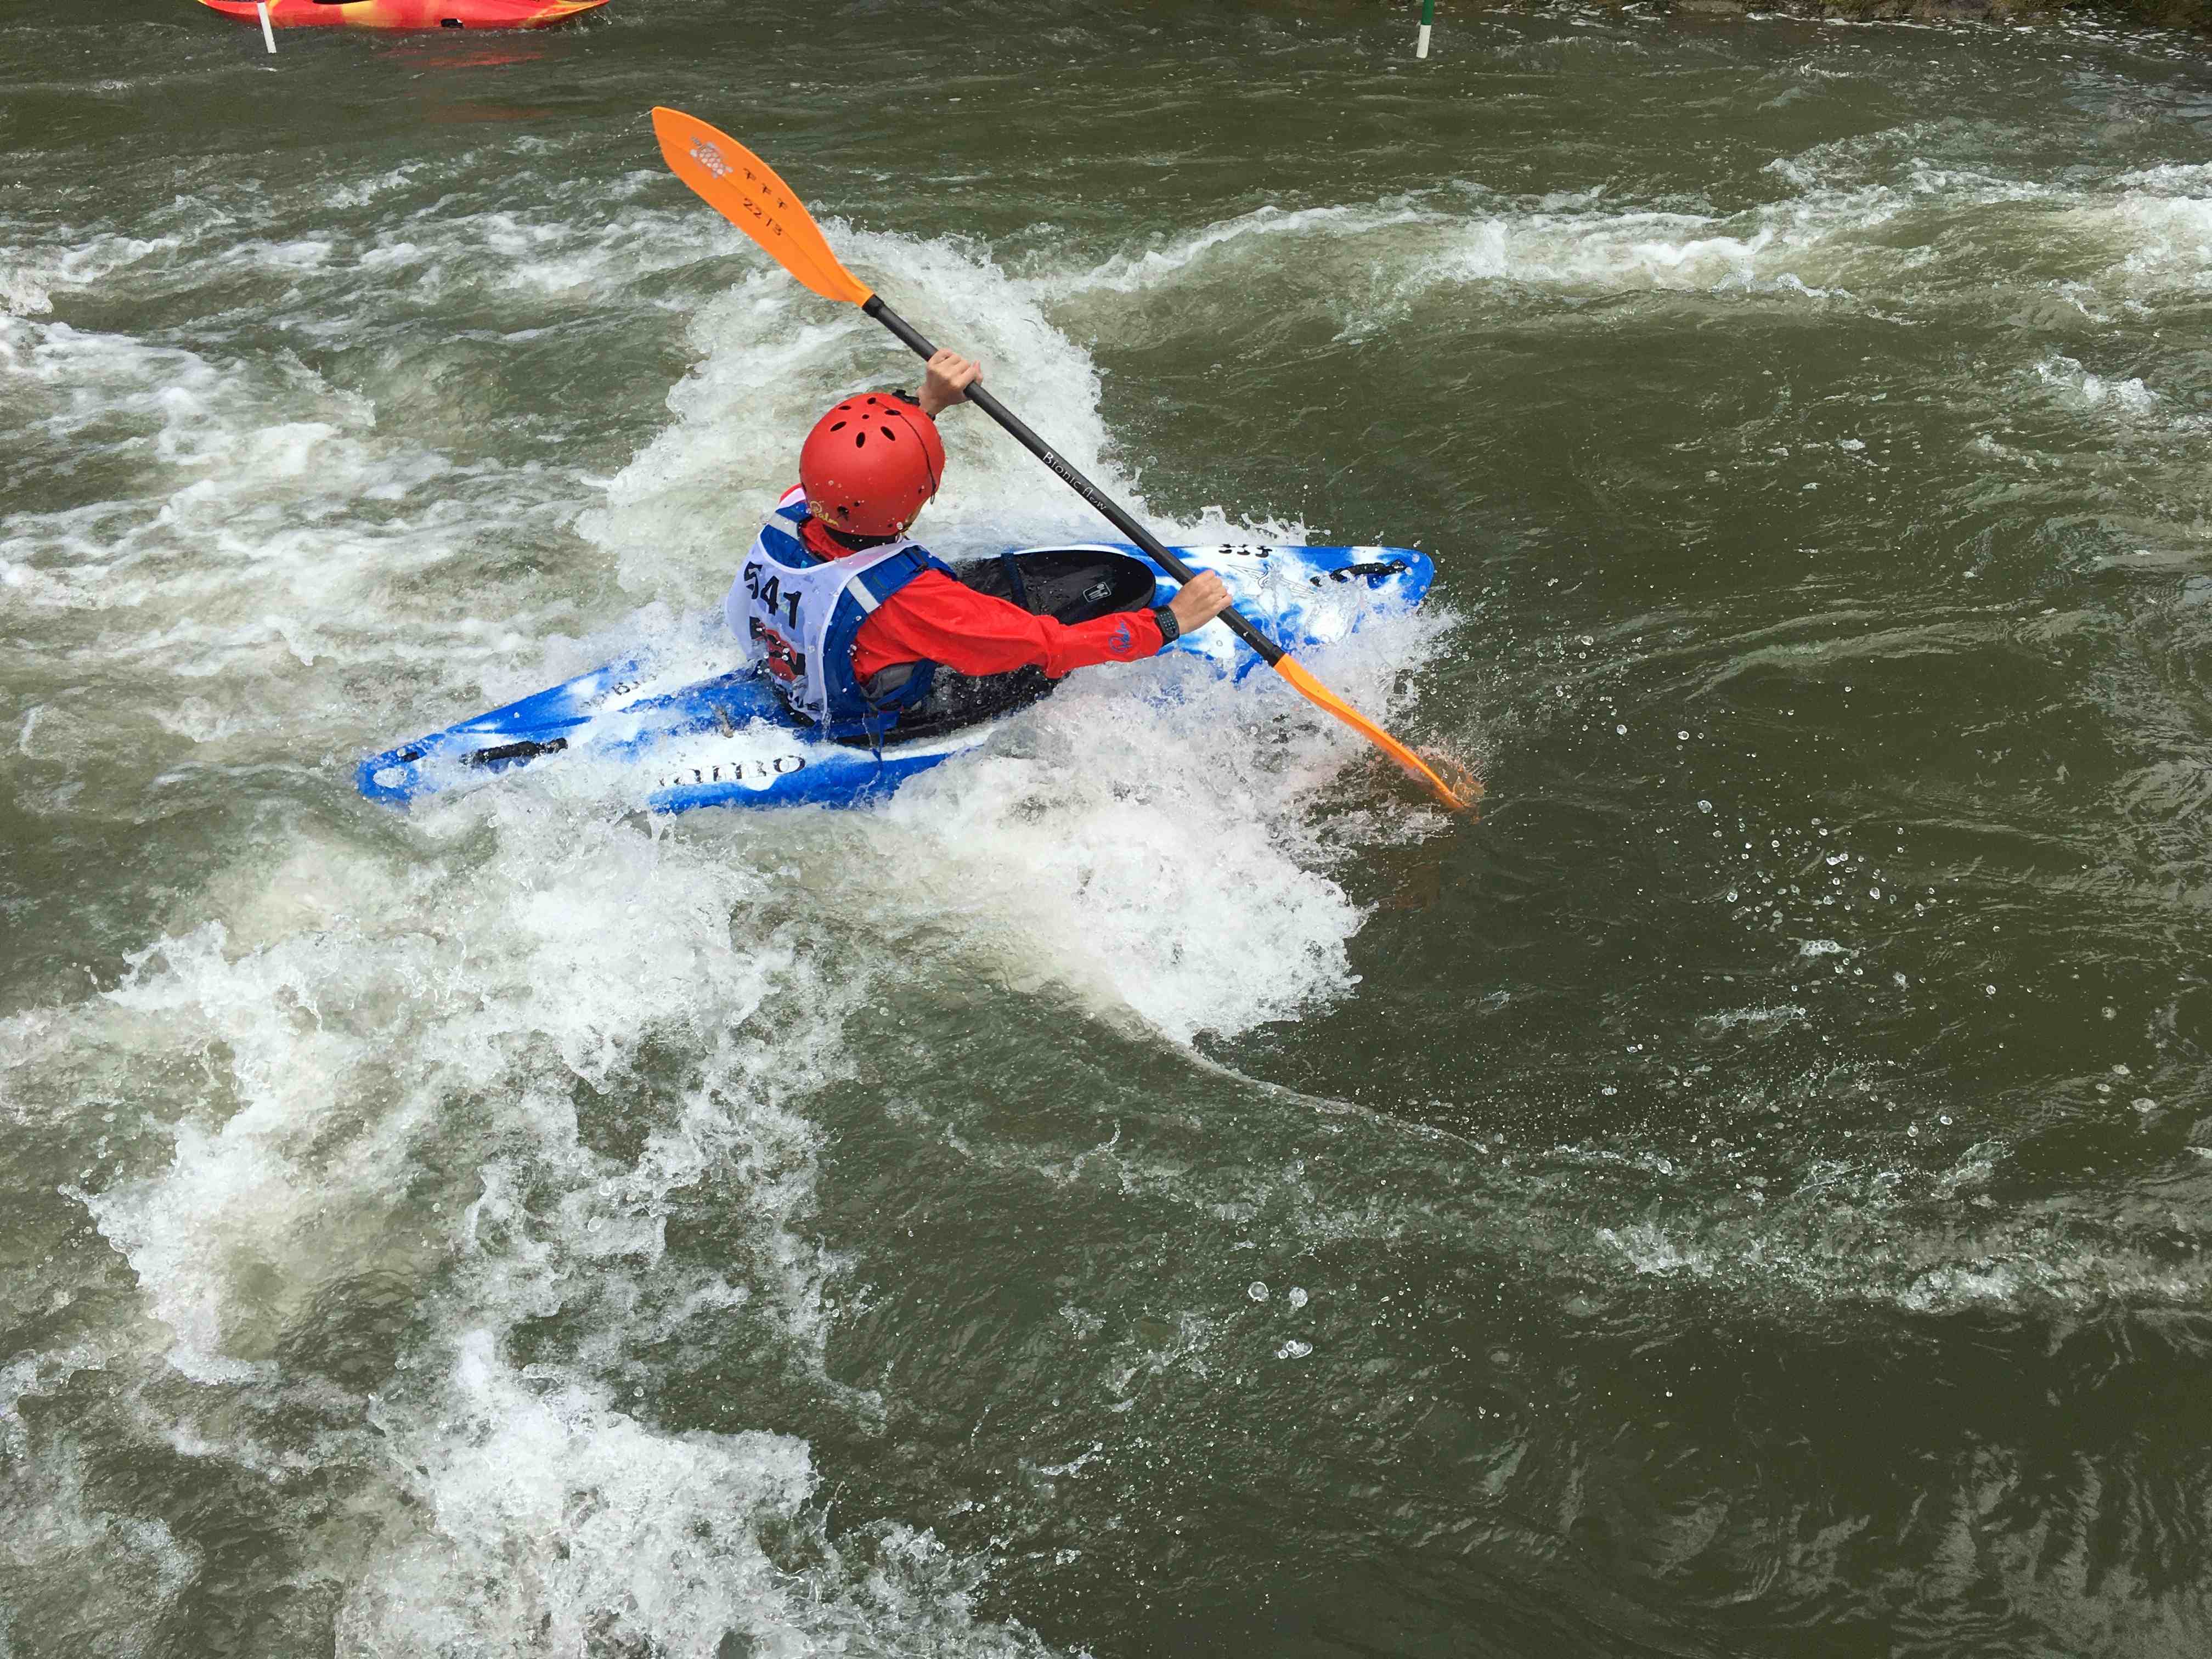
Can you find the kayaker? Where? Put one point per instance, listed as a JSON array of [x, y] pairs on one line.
[[851, 617]]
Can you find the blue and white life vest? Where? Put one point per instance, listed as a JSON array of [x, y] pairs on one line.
[[797, 617]]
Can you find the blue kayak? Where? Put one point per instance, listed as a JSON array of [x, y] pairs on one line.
[[729, 740]]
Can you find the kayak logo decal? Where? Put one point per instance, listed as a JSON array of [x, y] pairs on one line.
[[1377, 571], [755, 772]]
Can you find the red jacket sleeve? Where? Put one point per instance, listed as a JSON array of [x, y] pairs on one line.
[[934, 618]]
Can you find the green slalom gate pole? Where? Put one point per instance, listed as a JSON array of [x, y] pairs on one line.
[[1428, 20]]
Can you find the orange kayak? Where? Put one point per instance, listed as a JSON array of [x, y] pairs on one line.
[[408, 14]]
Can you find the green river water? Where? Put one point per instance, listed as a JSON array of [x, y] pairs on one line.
[[1154, 1185]]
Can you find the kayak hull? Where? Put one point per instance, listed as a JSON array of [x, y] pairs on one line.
[[678, 740], [407, 14]]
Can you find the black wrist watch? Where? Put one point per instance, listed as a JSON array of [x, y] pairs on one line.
[[1169, 628]]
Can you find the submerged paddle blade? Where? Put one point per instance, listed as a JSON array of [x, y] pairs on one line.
[[745, 189], [1322, 697]]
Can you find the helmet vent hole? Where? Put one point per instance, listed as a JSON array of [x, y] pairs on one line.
[[859, 441], [839, 427], [889, 436]]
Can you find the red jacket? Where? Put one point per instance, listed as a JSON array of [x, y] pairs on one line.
[[934, 619]]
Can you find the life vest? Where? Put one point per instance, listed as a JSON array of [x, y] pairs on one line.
[[797, 617]]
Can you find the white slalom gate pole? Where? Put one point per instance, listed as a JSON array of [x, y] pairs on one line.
[[1428, 17], [268, 36]]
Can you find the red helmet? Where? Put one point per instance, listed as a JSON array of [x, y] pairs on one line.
[[871, 464]]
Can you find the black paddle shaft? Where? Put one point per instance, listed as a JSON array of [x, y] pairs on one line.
[[1270, 652]]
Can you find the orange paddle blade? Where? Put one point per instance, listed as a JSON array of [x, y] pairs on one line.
[[745, 189], [1322, 697]]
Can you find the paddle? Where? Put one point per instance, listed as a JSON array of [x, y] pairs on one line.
[[745, 189]]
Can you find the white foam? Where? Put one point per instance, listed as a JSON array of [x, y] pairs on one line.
[[270, 532], [601, 1530], [1364, 265], [1834, 236], [1139, 838], [1731, 1020], [2167, 239], [71, 261], [1130, 273], [2190, 180], [543, 1508], [2128, 397], [1648, 1249], [401, 1052]]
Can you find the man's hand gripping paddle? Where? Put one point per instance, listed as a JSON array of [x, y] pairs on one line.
[[745, 189]]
